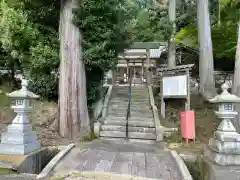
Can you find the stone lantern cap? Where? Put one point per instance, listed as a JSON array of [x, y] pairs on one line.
[[225, 96], [23, 92]]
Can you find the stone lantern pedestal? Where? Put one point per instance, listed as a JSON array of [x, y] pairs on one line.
[[222, 155], [224, 147], [19, 139]]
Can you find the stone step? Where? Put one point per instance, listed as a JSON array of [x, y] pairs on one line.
[[133, 88], [133, 135], [133, 103], [138, 100], [134, 112], [130, 129], [130, 123], [138, 116], [127, 90], [114, 117], [132, 118], [137, 107], [148, 141], [133, 92], [125, 96]]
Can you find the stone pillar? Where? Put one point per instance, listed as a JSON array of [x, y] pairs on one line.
[[114, 77], [142, 72], [224, 147], [148, 63], [19, 139], [127, 72], [134, 73]]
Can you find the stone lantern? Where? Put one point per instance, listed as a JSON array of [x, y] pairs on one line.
[[19, 139], [224, 147]]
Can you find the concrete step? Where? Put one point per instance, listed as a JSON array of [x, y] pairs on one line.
[[130, 123], [130, 129], [132, 135]]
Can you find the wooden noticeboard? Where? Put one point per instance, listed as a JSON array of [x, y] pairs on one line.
[[175, 83], [175, 86]]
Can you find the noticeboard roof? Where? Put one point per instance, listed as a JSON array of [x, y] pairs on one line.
[[177, 68]]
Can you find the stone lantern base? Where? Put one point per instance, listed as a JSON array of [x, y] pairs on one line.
[[19, 139], [213, 171], [224, 148], [222, 158]]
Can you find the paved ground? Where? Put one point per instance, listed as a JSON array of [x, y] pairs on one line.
[[120, 157], [18, 177]]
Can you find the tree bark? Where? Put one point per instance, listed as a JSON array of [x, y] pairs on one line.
[[171, 46], [236, 79], [206, 67], [73, 115]]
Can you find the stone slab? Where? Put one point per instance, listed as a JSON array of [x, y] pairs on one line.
[[122, 158], [218, 172], [46, 171]]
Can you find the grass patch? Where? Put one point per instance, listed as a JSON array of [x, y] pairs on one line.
[[196, 169], [57, 178], [8, 171], [175, 137], [89, 137]]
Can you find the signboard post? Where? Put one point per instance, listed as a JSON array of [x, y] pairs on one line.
[[175, 83]]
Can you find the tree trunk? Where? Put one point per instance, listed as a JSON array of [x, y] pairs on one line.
[[219, 13], [206, 67], [171, 46], [73, 115], [236, 79]]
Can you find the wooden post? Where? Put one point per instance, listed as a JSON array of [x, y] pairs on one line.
[[187, 103], [162, 97]]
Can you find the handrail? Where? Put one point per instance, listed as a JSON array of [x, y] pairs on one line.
[[129, 100]]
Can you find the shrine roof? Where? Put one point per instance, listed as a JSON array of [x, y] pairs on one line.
[[148, 45], [136, 53]]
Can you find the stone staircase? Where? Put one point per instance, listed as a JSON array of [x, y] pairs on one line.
[[140, 124]]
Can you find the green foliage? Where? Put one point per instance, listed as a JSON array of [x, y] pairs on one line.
[[196, 168], [103, 26], [46, 85], [27, 47], [17, 34], [30, 41], [224, 37]]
